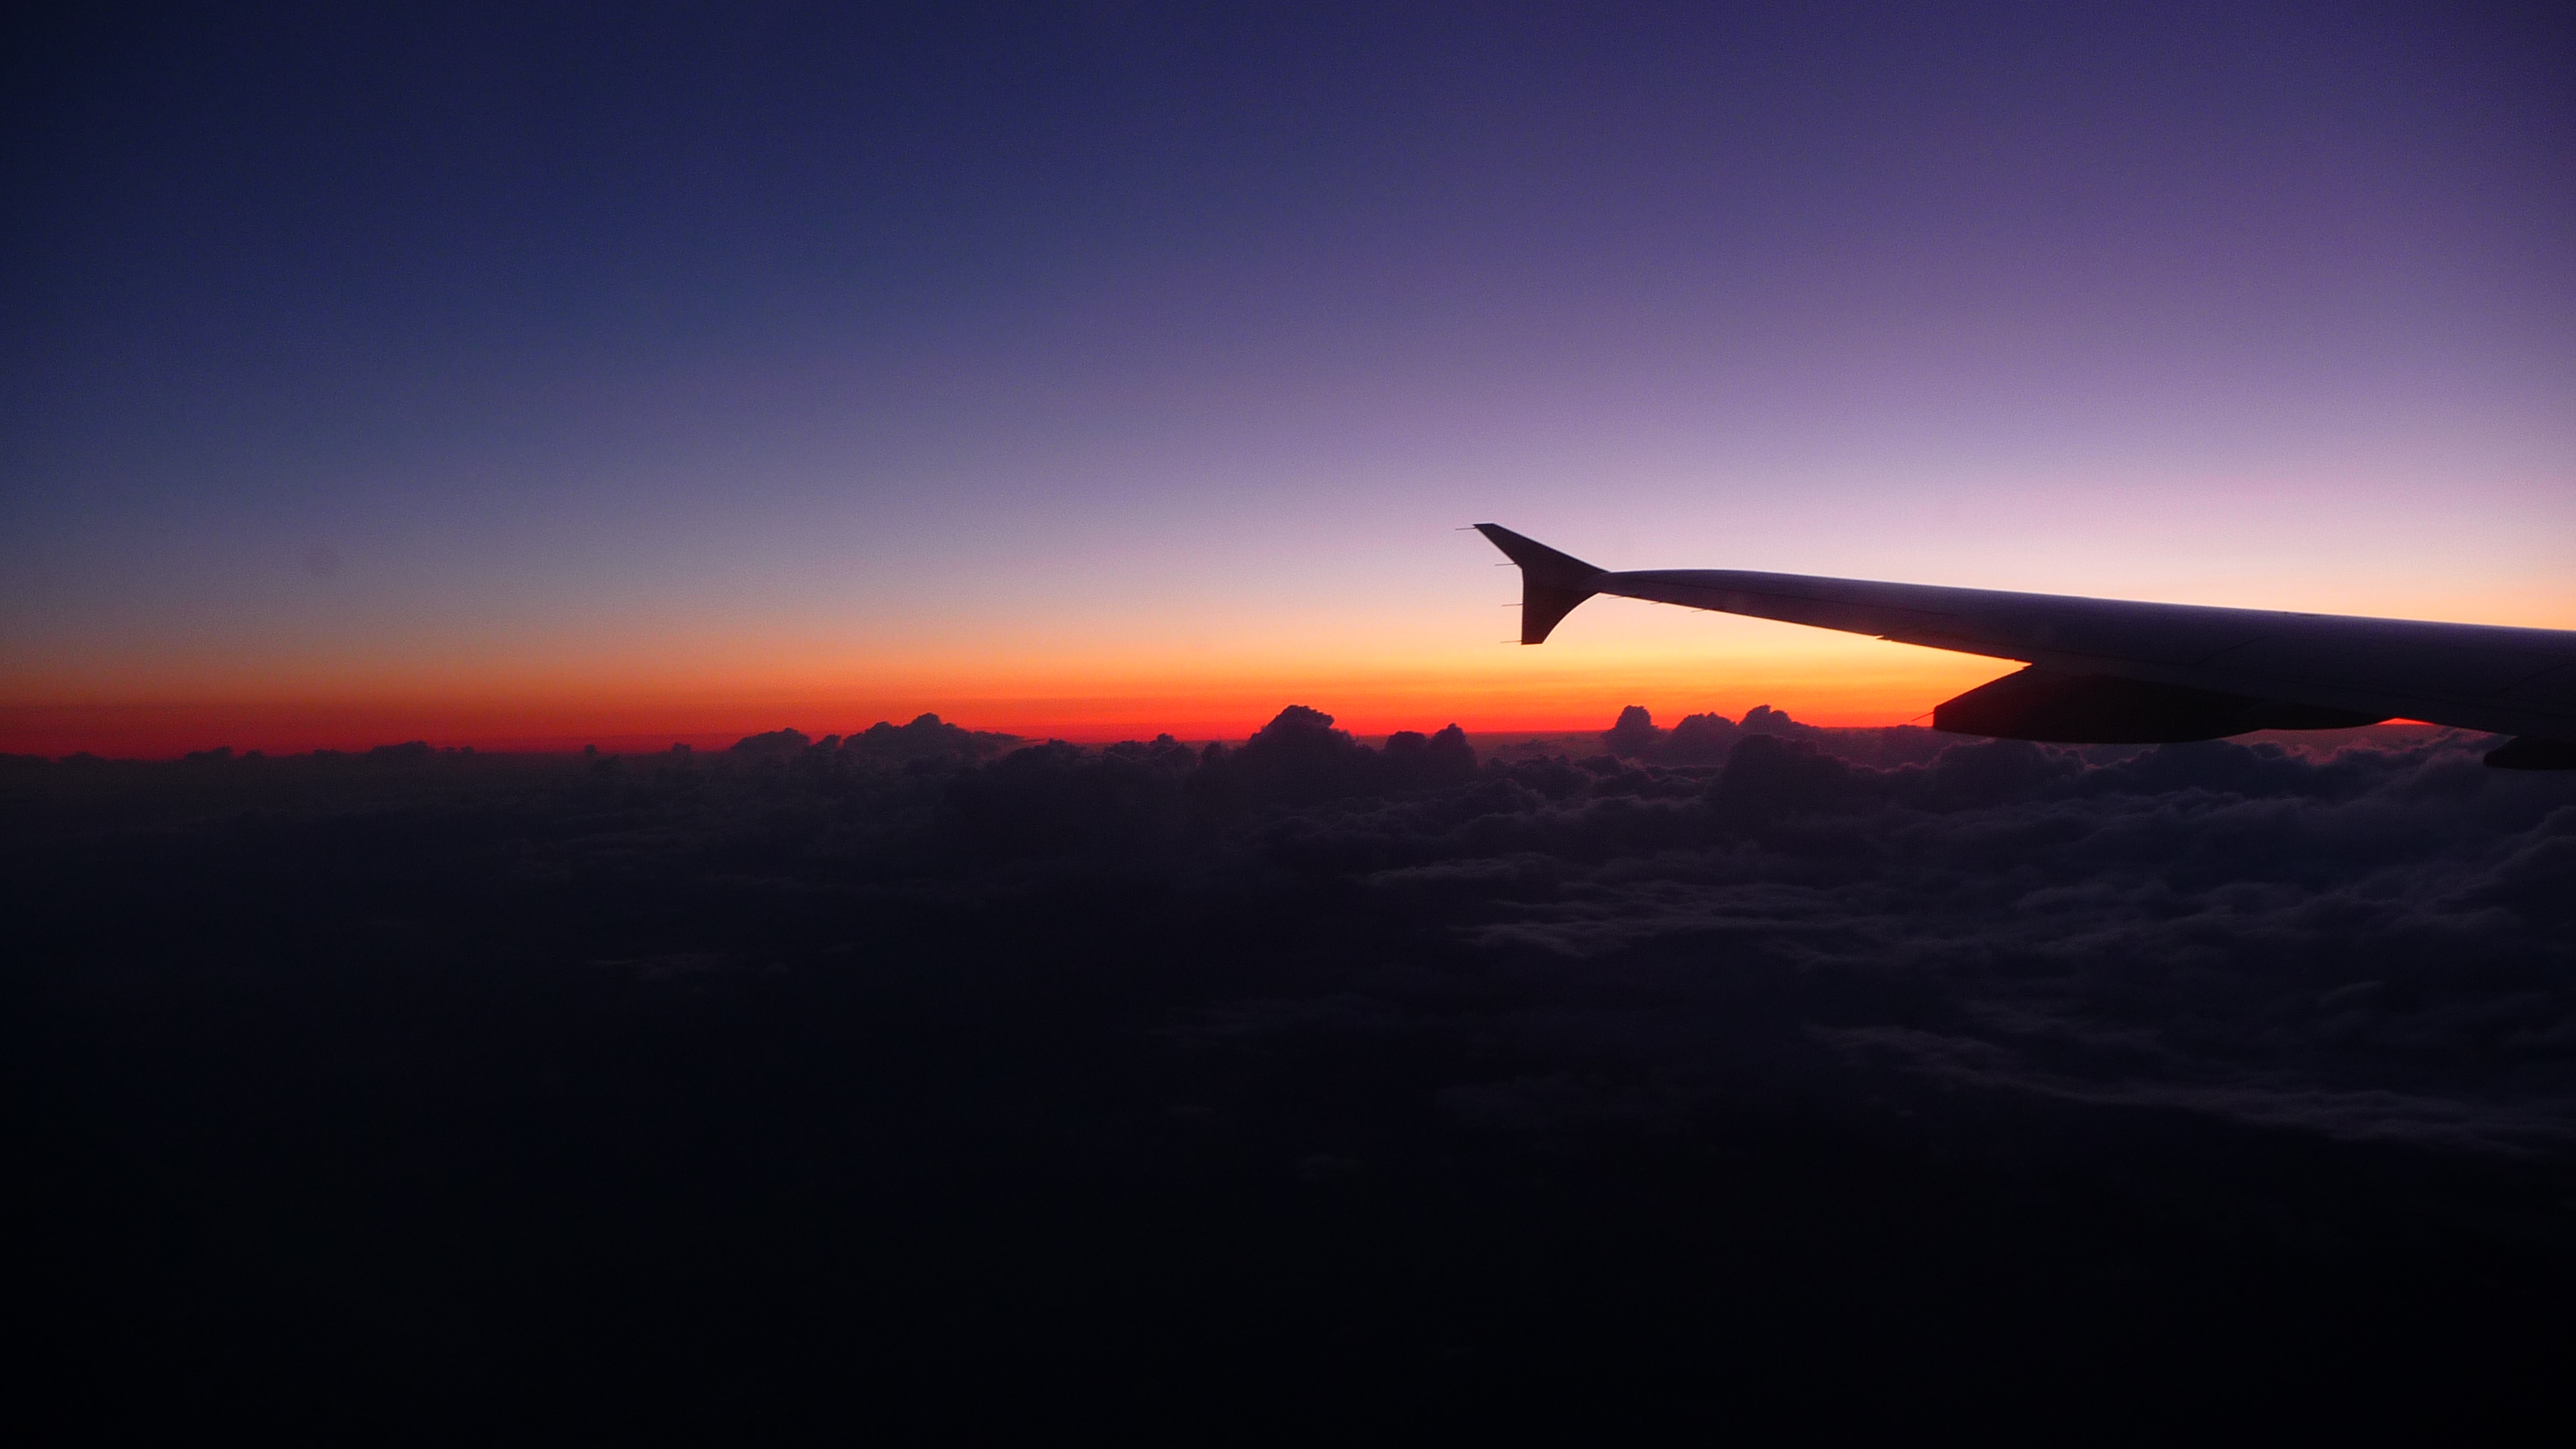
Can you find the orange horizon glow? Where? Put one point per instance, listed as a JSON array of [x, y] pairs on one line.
[[645, 693], [1405, 664], [1843, 682]]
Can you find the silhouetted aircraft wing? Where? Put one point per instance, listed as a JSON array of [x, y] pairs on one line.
[[2105, 671]]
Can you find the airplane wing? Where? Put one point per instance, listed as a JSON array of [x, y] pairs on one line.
[[2106, 671]]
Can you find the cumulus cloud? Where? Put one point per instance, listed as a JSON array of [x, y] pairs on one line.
[[2366, 944], [1313, 1043], [2369, 942]]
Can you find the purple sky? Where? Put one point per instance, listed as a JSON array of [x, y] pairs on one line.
[[661, 355]]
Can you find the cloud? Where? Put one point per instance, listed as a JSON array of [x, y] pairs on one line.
[[1045, 1061], [2363, 944]]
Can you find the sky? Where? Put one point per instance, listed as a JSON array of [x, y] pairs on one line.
[[542, 375]]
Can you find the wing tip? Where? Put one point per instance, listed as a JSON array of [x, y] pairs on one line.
[[1552, 583]]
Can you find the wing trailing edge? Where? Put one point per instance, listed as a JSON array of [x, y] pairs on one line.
[[2041, 703]]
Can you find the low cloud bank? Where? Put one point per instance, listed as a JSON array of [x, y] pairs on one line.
[[1296, 1055], [2372, 943]]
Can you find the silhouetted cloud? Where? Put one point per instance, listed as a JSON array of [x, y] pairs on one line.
[[1301, 1040]]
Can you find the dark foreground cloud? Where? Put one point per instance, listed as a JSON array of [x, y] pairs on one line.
[[1740, 1069], [2371, 945]]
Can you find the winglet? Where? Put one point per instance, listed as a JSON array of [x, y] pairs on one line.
[[1551, 583]]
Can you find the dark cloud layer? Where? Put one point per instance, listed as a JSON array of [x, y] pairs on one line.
[[1741, 1069]]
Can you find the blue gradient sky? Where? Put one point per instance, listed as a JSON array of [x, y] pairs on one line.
[[523, 375]]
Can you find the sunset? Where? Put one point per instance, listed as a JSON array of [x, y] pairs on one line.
[[776, 721], [519, 380]]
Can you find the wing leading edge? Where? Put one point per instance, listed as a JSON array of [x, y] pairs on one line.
[[2106, 671]]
